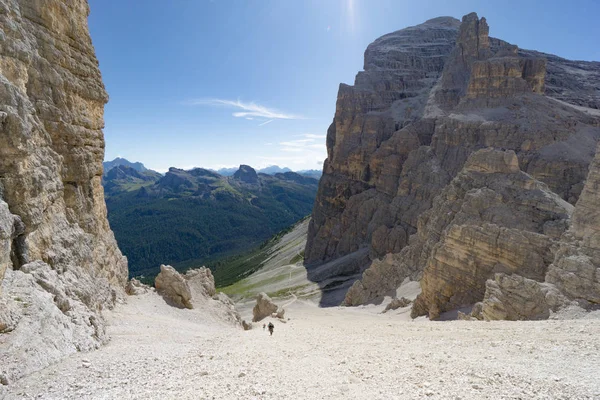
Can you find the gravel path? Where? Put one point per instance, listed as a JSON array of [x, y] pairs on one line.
[[158, 352]]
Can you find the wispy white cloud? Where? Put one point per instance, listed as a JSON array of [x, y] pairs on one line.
[[313, 136], [308, 149], [247, 110], [266, 122]]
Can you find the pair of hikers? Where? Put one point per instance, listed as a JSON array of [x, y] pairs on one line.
[[271, 328]]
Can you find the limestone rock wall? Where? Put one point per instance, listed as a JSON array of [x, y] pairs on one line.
[[51, 152], [377, 124], [397, 173], [573, 279], [492, 218]]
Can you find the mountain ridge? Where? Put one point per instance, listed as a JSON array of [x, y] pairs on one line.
[[209, 217], [270, 170]]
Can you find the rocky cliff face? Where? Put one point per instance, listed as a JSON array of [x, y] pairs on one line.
[[60, 261], [455, 156], [573, 279]]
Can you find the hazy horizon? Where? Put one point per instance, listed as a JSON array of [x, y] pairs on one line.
[[190, 167]]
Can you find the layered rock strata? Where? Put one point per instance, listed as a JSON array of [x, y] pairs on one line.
[[572, 279], [492, 218], [59, 258], [455, 156]]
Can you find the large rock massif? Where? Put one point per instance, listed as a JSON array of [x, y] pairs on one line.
[[59, 261], [457, 159]]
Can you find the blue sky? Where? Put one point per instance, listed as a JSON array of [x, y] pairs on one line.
[[216, 83]]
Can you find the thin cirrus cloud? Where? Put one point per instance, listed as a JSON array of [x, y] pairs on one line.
[[249, 110], [308, 150], [309, 143]]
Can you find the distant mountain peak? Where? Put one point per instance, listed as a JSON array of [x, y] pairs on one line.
[[246, 174], [274, 169], [119, 161]]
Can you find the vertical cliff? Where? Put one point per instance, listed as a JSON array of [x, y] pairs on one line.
[[59, 259], [398, 184], [573, 278], [377, 129]]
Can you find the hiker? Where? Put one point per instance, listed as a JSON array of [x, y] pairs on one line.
[[264, 326], [271, 327]]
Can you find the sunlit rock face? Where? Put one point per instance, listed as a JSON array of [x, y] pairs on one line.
[[51, 152], [441, 112]]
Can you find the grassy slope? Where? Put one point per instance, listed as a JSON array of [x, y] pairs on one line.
[[281, 271]]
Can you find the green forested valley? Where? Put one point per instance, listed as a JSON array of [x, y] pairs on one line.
[[198, 217]]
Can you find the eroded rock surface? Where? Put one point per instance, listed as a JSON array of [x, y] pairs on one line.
[[397, 303], [574, 275], [455, 156], [58, 257], [50, 314], [135, 288], [265, 307], [173, 287], [195, 290], [492, 218]]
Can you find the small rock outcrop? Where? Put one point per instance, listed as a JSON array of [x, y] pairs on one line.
[[265, 307], [136, 288], [246, 325], [202, 281], [196, 290], [513, 298], [397, 303]]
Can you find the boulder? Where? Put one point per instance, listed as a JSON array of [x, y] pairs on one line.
[[265, 307], [223, 305], [246, 325], [398, 303], [513, 298], [173, 287], [196, 290]]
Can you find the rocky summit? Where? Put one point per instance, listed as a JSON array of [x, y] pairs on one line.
[[465, 163]]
